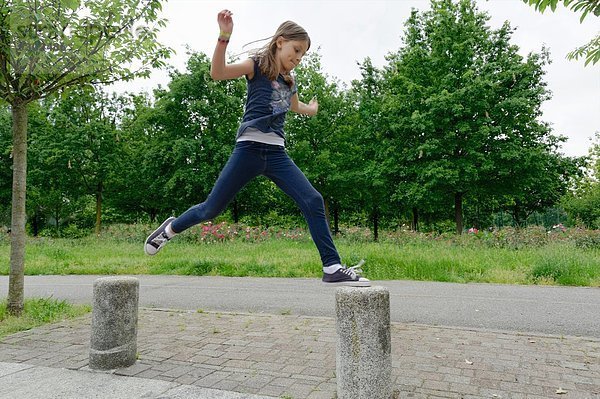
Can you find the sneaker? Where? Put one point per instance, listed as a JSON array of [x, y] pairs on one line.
[[158, 238], [347, 276]]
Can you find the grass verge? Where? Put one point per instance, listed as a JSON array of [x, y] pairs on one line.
[[36, 312], [554, 263]]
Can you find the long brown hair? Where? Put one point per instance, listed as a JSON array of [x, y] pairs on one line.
[[265, 56]]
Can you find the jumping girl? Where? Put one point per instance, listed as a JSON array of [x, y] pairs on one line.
[[260, 144]]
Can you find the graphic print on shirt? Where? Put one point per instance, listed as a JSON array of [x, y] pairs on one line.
[[280, 97]]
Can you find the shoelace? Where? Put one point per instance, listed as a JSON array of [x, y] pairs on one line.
[[160, 239], [354, 270]]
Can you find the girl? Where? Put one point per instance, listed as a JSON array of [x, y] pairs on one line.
[[260, 144]]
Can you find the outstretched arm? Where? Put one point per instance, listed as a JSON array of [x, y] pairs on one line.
[[219, 70], [299, 107]]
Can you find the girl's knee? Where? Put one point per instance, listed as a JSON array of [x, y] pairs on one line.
[[315, 201], [205, 212]]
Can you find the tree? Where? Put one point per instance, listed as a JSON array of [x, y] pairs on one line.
[[79, 146], [436, 103], [134, 174], [315, 143], [407, 82], [591, 50], [5, 162], [367, 158], [48, 46], [583, 201], [462, 108], [51, 189], [177, 146]]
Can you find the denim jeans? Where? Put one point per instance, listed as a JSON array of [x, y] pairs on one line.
[[249, 160]]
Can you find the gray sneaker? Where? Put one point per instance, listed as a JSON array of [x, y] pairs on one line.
[[347, 277], [157, 239]]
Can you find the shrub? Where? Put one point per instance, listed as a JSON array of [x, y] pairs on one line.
[[207, 233], [586, 239]]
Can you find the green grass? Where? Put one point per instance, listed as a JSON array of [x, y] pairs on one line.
[[560, 262], [37, 312]]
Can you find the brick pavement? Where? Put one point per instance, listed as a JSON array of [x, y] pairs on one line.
[[291, 356]]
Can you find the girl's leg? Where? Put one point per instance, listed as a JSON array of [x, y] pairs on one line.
[[243, 165], [284, 172]]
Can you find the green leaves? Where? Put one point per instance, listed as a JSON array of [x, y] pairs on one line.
[[541, 5], [591, 50], [585, 6], [462, 110], [48, 45], [71, 4]]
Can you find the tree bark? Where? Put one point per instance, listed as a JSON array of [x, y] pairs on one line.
[[336, 220], [326, 203], [375, 224], [236, 211], [57, 210], [16, 282], [99, 190], [415, 219], [458, 214], [152, 214], [35, 223]]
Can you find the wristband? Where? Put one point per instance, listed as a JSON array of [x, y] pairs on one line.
[[221, 40], [225, 35]]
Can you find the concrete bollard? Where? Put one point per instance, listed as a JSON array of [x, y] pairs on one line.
[[114, 323], [363, 356]]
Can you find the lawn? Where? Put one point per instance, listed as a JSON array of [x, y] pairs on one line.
[[507, 258]]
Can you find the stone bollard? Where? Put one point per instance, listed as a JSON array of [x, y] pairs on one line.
[[114, 323], [363, 356]]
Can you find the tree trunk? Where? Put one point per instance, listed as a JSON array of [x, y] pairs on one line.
[[35, 223], [16, 282], [516, 215], [326, 203], [57, 219], [236, 212], [336, 220], [458, 215], [415, 220], [375, 224], [99, 190]]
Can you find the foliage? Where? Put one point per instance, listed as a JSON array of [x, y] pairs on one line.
[[369, 154], [586, 6], [75, 148], [47, 47], [449, 129], [209, 233], [591, 50], [176, 147], [319, 144], [5, 165], [461, 110], [583, 201]]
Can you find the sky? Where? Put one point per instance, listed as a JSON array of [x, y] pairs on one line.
[[348, 31]]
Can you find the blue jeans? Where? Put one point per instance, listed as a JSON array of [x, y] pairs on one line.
[[249, 160]]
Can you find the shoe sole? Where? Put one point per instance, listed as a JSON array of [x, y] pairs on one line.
[[162, 226], [349, 283]]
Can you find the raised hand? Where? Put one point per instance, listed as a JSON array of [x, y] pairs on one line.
[[313, 106], [225, 21]]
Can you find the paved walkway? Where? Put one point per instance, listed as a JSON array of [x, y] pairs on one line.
[[290, 356]]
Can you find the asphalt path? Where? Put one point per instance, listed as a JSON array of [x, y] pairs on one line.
[[573, 311]]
